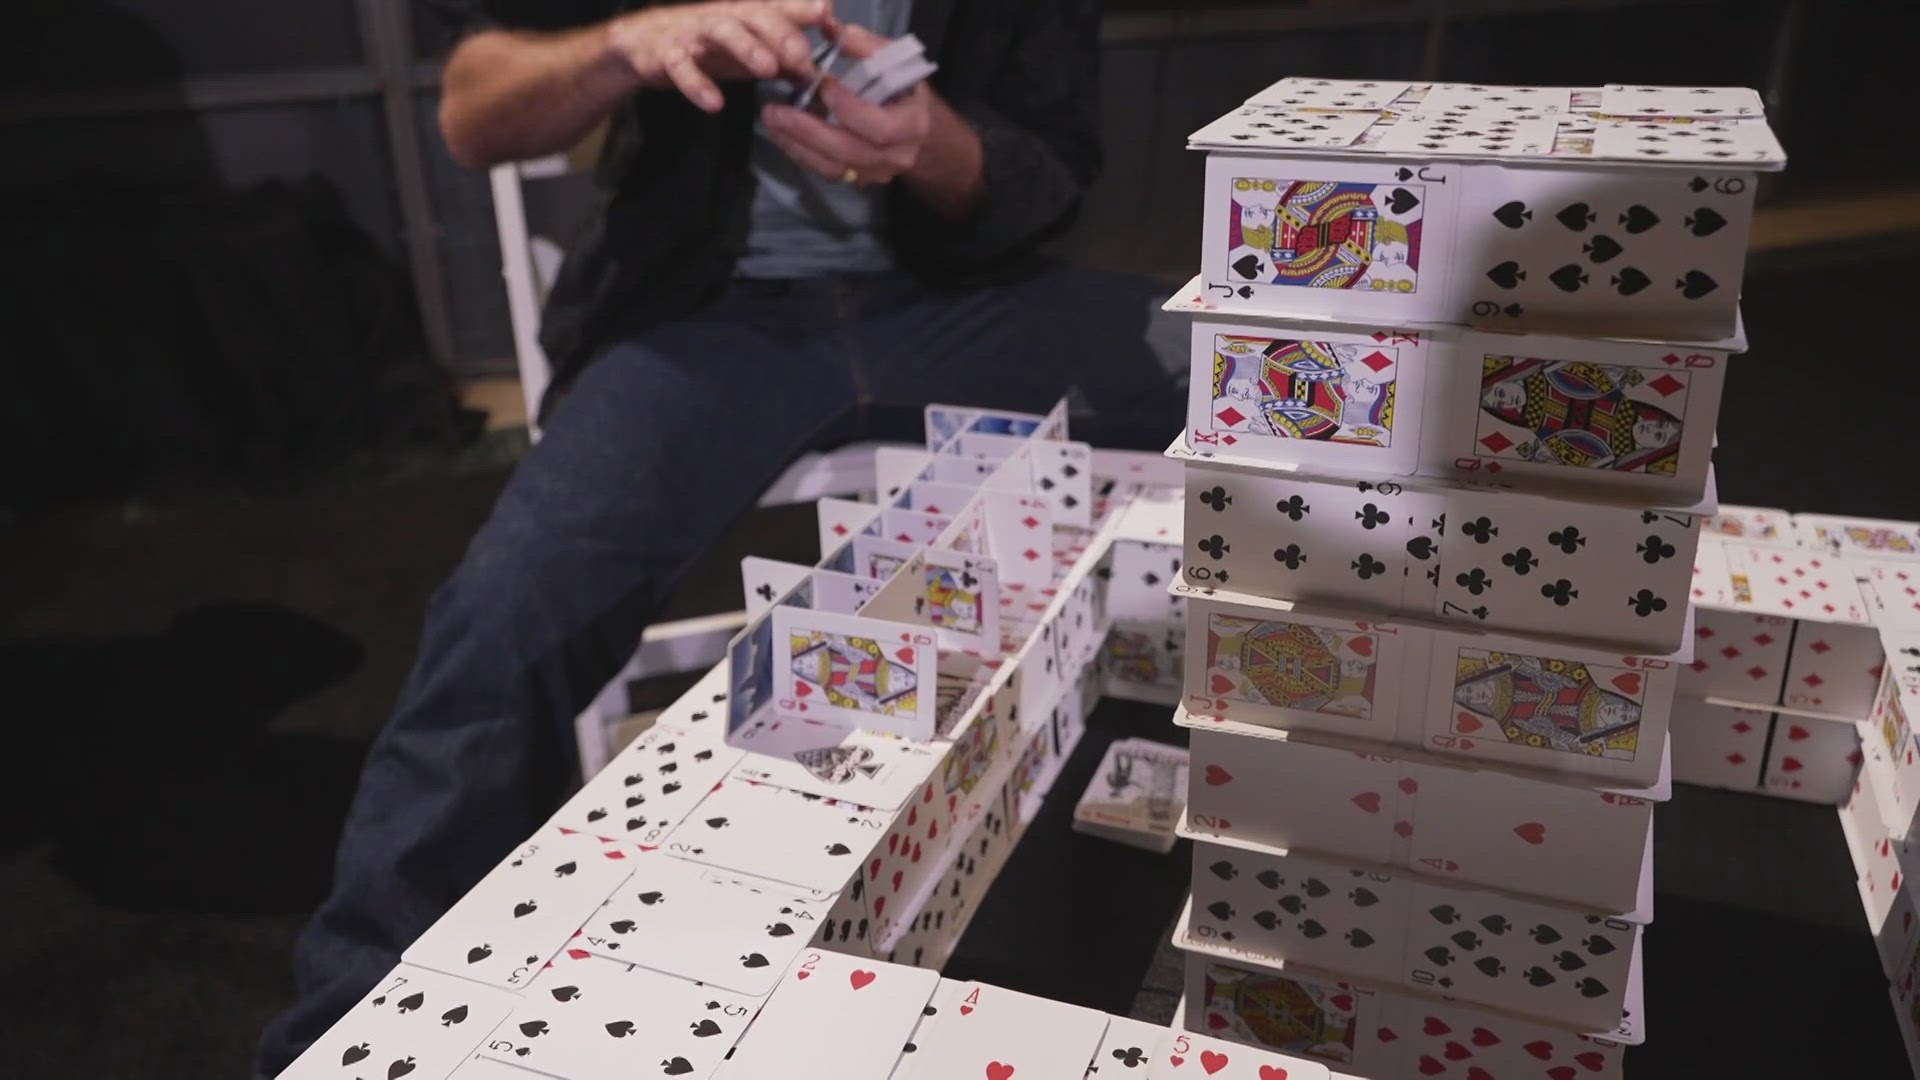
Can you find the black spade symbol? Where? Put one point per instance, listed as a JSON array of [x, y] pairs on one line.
[[676, 1066], [479, 953], [1267, 919], [596, 814], [1496, 924], [1507, 274], [565, 993], [753, 960], [1445, 915], [1311, 929], [839, 849], [1315, 888], [1359, 938], [1568, 278], [1292, 905], [1639, 219], [1698, 184], [1696, 285], [1575, 216], [1629, 281], [704, 1028], [1513, 215], [1601, 248], [1270, 878], [453, 1016], [1544, 934], [651, 897], [1403, 173], [716, 823], [565, 869], [1705, 222], [1490, 966], [1247, 266], [632, 779], [634, 800], [533, 1029], [525, 908], [1363, 898], [1568, 961], [353, 1054], [1401, 201], [1466, 939], [399, 1068], [1590, 987], [1598, 945], [411, 1002], [1539, 976], [1220, 909], [670, 788], [1224, 870], [779, 929], [1440, 955]]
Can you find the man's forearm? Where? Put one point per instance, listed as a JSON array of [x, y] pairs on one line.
[[510, 95], [949, 173]]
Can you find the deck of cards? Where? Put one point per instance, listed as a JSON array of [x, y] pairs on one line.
[[1137, 797], [881, 78]]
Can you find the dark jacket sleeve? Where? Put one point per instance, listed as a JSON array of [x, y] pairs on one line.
[[1038, 122]]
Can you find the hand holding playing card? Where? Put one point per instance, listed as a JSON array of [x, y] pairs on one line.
[[864, 143], [689, 46]]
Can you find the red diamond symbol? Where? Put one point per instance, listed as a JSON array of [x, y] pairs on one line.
[[1029, 521], [1030, 554], [1378, 361], [1670, 359], [1730, 652], [1704, 632], [1756, 672], [839, 530], [1496, 442], [1230, 416], [1742, 726], [1737, 759], [1813, 680], [1763, 639], [1698, 665], [1379, 335], [1820, 646], [1667, 384]]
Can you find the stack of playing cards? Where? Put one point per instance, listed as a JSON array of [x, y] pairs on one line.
[[1138, 795], [1436, 578], [881, 78]]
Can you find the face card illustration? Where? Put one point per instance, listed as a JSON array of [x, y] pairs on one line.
[[1753, 524], [771, 832], [650, 786], [1338, 399], [1293, 670], [1299, 1016], [873, 770], [1185, 1054], [1002, 1035], [834, 1017], [1549, 706], [1626, 252], [1300, 910], [1339, 240], [866, 673], [524, 910], [1738, 655], [592, 1018], [1863, 536], [1606, 415], [413, 1022]]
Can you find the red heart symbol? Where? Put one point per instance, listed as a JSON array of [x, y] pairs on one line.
[[1212, 1061], [1435, 1026], [1628, 682], [1592, 1060], [1361, 645], [1368, 801], [860, 978], [802, 689], [1561, 1072], [1466, 722], [873, 870], [1176, 1059], [1385, 1035], [913, 815], [965, 1009], [1454, 1051], [897, 875], [879, 905], [1409, 785], [1272, 1072], [1796, 732], [1342, 1002], [1542, 1049], [997, 1071], [1220, 684], [1217, 776], [933, 830], [1475, 1072], [1429, 1067], [893, 843], [1403, 829], [1791, 764], [1483, 1037], [1532, 832], [906, 657], [1216, 1021]]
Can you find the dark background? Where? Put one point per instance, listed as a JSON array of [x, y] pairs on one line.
[[246, 292]]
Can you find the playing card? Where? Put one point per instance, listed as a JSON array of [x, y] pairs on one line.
[[1434, 1038], [524, 910], [649, 787], [1611, 415], [1534, 565], [1803, 583], [867, 673], [1457, 98], [1063, 475], [1353, 402], [1286, 793], [1753, 524], [1617, 99], [1140, 788], [1144, 662], [1341, 239], [681, 918], [1138, 576], [1309, 93], [764, 581], [841, 519], [1126, 1050], [1536, 960], [590, 1018], [414, 1022], [1894, 585], [914, 527], [1326, 1021], [1549, 706], [999, 1034], [1475, 133], [1833, 669], [1283, 127], [1293, 669], [1738, 655], [774, 833], [851, 764], [1604, 253], [1862, 536], [1711, 142], [833, 1017], [1185, 1054], [1301, 910], [1811, 759]]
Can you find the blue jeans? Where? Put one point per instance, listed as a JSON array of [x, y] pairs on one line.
[[662, 443]]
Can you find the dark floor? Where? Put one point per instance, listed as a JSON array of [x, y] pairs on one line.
[[198, 683]]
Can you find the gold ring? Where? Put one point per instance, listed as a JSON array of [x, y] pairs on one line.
[[850, 175]]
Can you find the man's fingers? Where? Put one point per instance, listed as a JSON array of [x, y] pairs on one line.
[[779, 35], [858, 41], [805, 156], [827, 140], [799, 12], [875, 123], [691, 81], [731, 37]]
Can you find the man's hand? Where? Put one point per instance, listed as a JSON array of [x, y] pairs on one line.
[[690, 46], [918, 139]]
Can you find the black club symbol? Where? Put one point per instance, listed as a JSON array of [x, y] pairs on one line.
[[764, 592], [1520, 561], [1217, 498], [1560, 591], [1648, 517], [1567, 539], [1130, 1056], [1213, 546], [1475, 581], [1644, 603], [1371, 516], [1294, 507], [1480, 529], [1367, 566], [1653, 549], [1291, 556]]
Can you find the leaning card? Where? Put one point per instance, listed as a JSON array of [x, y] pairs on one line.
[[414, 1022], [869, 673], [874, 770], [1002, 1035], [774, 833], [833, 1017], [524, 909]]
